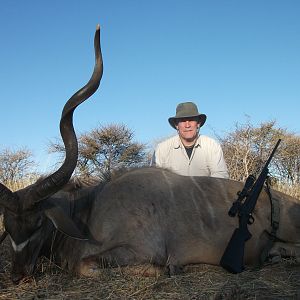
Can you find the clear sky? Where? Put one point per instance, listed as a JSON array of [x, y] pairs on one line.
[[231, 57]]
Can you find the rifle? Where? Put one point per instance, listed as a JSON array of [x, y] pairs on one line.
[[233, 257]]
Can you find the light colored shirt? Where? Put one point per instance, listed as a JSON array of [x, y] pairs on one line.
[[206, 159]]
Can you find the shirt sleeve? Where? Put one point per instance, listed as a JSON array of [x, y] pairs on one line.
[[155, 161], [218, 164]]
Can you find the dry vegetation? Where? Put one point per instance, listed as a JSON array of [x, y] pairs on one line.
[[277, 281]]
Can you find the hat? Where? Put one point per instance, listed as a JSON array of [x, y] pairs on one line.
[[186, 110]]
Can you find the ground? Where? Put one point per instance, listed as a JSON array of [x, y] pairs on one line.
[[277, 281]]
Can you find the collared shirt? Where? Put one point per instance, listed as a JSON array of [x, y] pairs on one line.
[[206, 159]]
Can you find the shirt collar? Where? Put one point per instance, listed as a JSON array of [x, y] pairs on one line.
[[178, 144]]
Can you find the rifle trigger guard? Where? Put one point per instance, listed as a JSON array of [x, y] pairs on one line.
[[251, 219]]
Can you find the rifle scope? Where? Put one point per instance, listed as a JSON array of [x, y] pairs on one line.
[[236, 205]]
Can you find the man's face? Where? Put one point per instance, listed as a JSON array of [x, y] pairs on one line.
[[188, 129]]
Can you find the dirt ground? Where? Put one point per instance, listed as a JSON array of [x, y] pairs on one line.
[[277, 281]]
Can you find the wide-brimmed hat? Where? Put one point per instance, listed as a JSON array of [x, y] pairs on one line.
[[186, 110]]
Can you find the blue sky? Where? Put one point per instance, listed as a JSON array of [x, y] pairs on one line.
[[232, 57]]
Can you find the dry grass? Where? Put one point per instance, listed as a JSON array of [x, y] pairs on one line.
[[279, 281]]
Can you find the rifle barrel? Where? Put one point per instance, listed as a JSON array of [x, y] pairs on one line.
[[273, 152]]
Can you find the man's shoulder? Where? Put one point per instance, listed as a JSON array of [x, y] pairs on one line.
[[203, 137], [169, 142], [205, 140]]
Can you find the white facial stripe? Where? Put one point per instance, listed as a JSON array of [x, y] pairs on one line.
[[18, 248]]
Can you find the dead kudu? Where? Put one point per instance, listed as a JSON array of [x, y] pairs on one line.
[[146, 216]]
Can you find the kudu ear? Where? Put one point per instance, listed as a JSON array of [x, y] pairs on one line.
[[7, 198], [64, 223]]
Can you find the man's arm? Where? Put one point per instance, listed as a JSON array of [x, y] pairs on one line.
[[218, 164], [155, 160]]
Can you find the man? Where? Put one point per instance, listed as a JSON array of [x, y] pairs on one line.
[[190, 153]]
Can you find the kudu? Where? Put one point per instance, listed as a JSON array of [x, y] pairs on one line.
[[146, 216]]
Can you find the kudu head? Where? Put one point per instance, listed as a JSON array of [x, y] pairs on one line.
[[26, 218]]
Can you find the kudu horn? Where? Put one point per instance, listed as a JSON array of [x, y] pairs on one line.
[[55, 181]]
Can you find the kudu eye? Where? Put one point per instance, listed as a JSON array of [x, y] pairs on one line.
[[39, 222]]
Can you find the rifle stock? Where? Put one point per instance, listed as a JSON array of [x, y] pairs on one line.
[[233, 257]]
